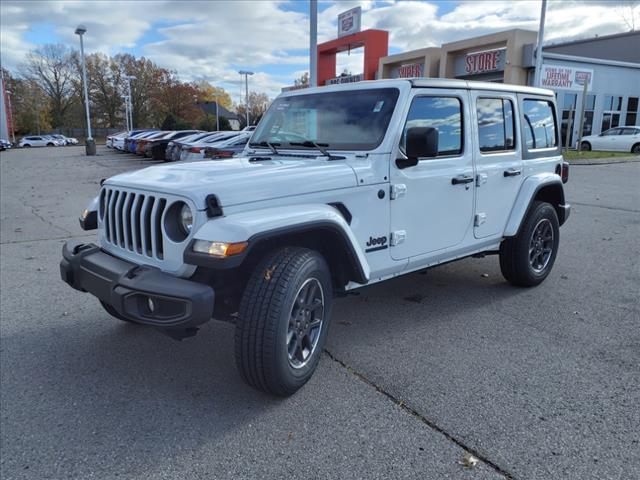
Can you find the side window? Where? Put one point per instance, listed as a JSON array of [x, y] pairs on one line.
[[610, 132], [539, 124], [442, 113], [495, 124]]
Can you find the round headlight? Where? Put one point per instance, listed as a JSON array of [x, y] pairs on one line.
[[186, 219]]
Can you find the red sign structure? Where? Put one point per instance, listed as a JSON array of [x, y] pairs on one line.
[[375, 43]]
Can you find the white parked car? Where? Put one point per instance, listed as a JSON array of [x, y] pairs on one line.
[[64, 139], [340, 187], [618, 139], [39, 141]]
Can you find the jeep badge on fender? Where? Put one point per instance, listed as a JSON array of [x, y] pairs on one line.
[[268, 239]]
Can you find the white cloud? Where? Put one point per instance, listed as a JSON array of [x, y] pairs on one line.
[[212, 40]]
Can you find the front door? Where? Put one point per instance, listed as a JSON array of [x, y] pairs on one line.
[[498, 160], [433, 205]]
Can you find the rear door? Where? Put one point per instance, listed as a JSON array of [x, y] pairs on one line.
[[498, 160]]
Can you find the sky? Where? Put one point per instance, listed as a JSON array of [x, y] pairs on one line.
[[212, 40]]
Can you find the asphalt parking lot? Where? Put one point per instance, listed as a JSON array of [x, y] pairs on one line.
[[538, 383]]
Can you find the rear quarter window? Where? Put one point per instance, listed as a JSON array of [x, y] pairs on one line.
[[539, 123]]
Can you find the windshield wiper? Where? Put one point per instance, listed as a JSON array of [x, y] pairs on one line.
[[270, 145], [319, 146]]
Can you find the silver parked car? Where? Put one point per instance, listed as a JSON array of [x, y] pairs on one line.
[[39, 141]]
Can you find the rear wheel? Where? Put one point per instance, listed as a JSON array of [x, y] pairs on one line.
[[586, 146], [283, 320], [635, 148], [50, 144], [26, 145], [527, 259]]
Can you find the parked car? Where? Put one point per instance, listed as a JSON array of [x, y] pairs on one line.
[[618, 139], [172, 153], [4, 144], [38, 141], [64, 139], [343, 186], [195, 150], [121, 142], [228, 148], [110, 138], [142, 142], [155, 149], [130, 143]]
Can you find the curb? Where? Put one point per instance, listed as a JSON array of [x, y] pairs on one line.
[[605, 161]]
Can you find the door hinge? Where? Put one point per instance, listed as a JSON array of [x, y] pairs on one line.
[[481, 179], [398, 190], [398, 237], [480, 218]]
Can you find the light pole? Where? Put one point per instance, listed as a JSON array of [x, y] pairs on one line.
[[13, 130], [217, 97], [538, 71], [129, 78], [246, 74], [91, 144], [313, 43], [126, 110]]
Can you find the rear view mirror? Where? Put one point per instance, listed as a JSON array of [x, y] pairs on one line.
[[421, 142]]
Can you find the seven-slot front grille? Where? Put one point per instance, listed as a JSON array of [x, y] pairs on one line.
[[133, 221]]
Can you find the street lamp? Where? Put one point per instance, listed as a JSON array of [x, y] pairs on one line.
[[126, 110], [246, 74], [129, 78], [91, 144], [13, 130]]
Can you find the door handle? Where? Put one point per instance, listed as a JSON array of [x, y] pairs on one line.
[[512, 172], [461, 180]]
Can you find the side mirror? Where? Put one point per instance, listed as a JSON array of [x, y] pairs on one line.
[[421, 142]]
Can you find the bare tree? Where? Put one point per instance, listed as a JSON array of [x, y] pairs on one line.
[[629, 12], [51, 68]]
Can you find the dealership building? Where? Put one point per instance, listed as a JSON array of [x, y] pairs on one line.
[[610, 65]]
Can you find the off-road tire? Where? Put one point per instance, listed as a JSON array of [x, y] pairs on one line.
[[585, 146], [261, 348], [114, 313], [515, 261]]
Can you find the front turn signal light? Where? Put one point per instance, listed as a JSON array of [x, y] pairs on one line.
[[219, 249]]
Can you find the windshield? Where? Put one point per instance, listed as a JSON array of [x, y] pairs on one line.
[[345, 120]]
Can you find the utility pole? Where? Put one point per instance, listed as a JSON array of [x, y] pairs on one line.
[[13, 130], [246, 74], [126, 111], [91, 144], [538, 72], [129, 78], [313, 43]]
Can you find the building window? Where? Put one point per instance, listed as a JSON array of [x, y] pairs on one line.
[[442, 113], [539, 124], [568, 116], [495, 124], [590, 105], [632, 111], [611, 112]]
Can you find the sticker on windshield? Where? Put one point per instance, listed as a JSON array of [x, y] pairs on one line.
[[283, 106], [378, 106]]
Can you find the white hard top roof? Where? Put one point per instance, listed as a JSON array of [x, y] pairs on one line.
[[425, 83]]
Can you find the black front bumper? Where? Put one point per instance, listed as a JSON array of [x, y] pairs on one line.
[[140, 293]]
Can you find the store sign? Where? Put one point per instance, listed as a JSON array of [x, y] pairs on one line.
[[566, 78], [349, 21], [411, 70], [484, 62], [345, 79]]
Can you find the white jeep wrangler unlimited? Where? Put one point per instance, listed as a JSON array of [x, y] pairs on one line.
[[339, 187]]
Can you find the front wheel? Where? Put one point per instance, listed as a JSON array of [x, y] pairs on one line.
[[635, 148], [585, 147], [527, 258], [283, 320]]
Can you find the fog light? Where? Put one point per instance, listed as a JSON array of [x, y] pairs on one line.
[[151, 305], [219, 249]]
